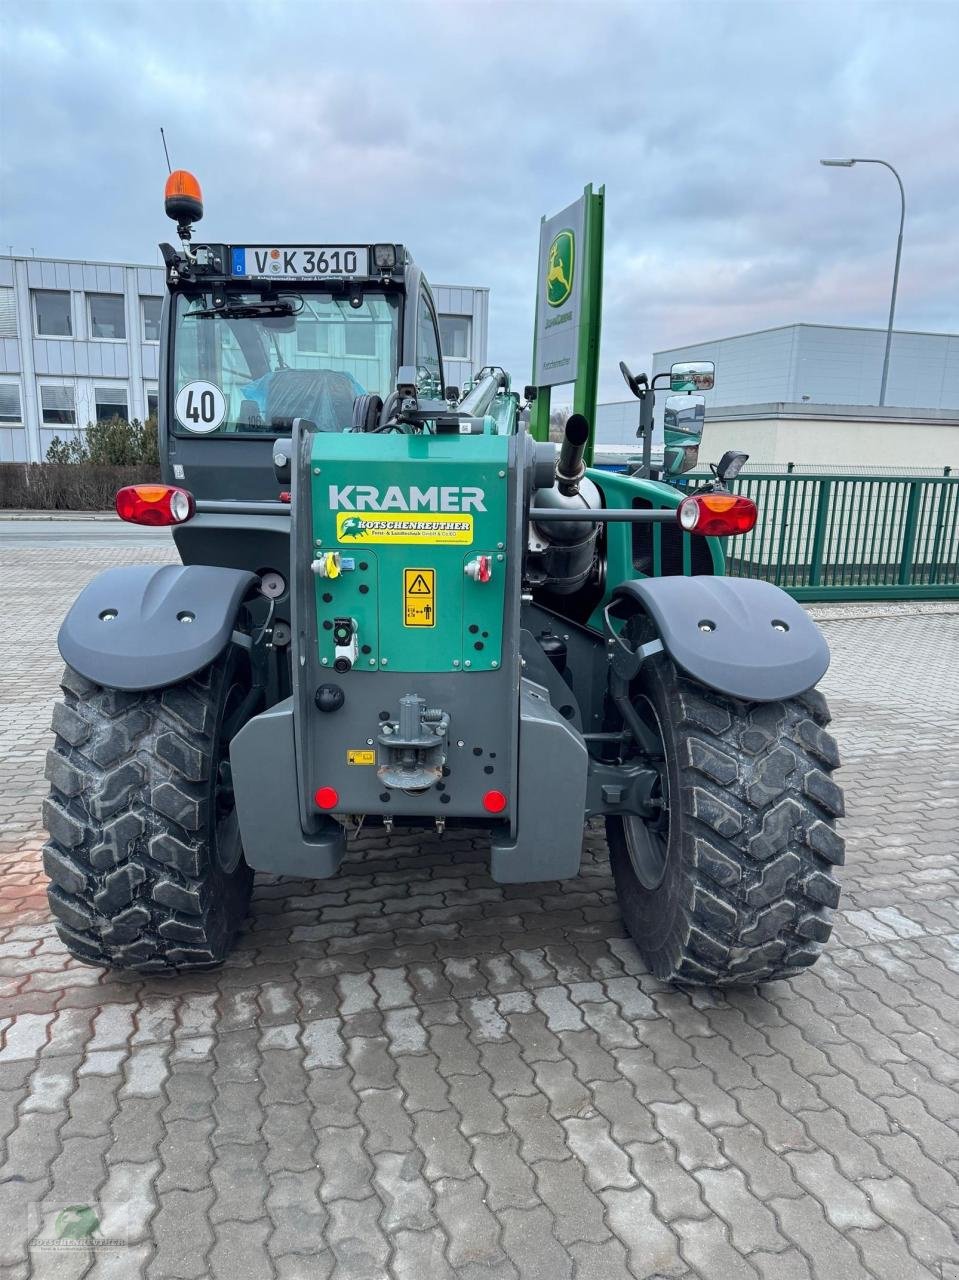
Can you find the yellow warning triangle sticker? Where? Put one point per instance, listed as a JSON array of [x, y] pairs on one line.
[[419, 587]]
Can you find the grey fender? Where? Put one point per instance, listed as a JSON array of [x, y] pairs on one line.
[[741, 636], [145, 626]]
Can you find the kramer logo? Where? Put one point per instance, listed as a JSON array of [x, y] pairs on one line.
[[366, 497], [559, 269]]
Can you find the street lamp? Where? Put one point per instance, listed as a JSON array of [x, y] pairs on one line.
[[847, 164]]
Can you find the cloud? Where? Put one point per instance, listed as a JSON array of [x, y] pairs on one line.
[[453, 126]]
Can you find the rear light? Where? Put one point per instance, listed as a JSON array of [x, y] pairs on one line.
[[717, 514], [154, 504], [326, 797], [494, 802]]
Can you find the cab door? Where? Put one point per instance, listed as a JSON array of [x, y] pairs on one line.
[[421, 347]]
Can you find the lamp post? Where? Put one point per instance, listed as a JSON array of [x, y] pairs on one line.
[[847, 164]]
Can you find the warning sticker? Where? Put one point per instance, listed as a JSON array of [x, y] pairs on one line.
[[411, 527], [361, 757], [419, 597]]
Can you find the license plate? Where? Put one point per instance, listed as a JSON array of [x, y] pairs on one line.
[[302, 263]]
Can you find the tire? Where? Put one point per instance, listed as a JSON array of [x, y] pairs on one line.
[[747, 844], [144, 857]]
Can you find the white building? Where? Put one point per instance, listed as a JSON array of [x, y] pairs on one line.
[[808, 394], [79, 342], [828, 364]]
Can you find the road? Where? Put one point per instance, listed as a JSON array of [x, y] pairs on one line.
[[78, 532], [409, 1072]]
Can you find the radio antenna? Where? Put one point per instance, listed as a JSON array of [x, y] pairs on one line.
[[165, 151]]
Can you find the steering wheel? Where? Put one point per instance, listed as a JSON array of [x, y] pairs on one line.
[[631, 380]]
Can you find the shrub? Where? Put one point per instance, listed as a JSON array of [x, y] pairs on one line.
[[115, 442]]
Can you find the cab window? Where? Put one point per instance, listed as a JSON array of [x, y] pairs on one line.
[[241, 370], [429, 370]]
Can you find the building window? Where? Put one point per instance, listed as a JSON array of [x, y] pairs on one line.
[[8, 313], [51, 309], [153, 401], [107, 318], [151, 318], [10, 412], [58, 406], [313, 337], [455, 336], [360, 339], [110, 402]]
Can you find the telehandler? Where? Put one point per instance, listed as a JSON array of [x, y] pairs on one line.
[[396, 607]]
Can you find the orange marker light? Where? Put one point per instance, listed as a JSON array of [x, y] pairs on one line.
[[182, 197]]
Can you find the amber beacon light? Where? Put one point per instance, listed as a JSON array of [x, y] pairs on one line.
[[182, 197]]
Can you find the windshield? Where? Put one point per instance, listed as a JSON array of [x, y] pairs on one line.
[[236, 374]]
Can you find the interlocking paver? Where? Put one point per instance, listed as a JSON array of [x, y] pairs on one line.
[[411, 1072]]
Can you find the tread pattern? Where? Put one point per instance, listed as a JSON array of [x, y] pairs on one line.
[[134, 883], [756, 810]]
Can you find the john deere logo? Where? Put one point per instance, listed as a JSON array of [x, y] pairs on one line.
[[559, 269]]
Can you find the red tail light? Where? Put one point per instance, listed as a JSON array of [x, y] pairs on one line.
[[717, 514], [154, 504]]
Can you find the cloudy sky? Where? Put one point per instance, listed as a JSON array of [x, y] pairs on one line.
[[453, 126]]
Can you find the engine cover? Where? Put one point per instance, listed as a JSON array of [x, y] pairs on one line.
[[409, 515]]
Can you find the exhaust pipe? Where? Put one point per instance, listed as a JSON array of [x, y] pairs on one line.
[[570, 467]]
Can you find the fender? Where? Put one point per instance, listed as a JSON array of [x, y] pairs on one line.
[[145, 626], [740, 636]]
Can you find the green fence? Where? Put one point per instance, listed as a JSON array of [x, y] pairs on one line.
[[842, 537]]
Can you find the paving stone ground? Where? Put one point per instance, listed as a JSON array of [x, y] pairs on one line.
[[412, 1072]]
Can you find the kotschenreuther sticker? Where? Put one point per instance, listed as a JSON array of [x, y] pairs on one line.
[[408, 528]]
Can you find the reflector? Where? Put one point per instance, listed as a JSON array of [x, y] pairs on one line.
[[326, 797], [154, 504], [494, 802], [717, 515]]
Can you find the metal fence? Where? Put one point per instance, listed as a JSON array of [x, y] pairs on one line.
[[863, 537]]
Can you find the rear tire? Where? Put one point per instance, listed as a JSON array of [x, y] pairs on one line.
[[740, 887], [144, 857]]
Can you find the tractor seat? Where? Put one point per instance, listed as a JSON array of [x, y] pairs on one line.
[[321, 395]]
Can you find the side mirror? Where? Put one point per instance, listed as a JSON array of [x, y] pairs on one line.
[[529, 394], [692, 375], [683, 422], [634, 383], [452, 394]]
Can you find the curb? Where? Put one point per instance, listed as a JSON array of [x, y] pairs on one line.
[[21, 514]]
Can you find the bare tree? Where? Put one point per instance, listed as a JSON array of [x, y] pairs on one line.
[[557, 423]]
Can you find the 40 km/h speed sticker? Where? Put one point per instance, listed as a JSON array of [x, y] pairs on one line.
[[419, 597], [200, 407]]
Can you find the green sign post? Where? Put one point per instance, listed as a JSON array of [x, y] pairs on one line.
[[569, 303]]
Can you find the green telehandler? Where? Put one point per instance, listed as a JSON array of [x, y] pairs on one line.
[[397, 607]]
